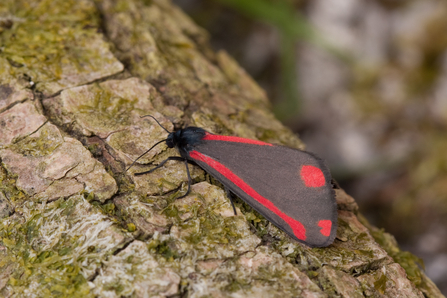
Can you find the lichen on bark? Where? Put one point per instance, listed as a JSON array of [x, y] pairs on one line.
[[75, 223]]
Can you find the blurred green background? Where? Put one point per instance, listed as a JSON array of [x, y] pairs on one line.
[[364, 84]]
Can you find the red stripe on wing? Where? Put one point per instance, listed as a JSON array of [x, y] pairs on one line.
[[211, 137], [297, 227]]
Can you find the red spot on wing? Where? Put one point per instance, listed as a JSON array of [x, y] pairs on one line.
[[297, 227], [211, 137], [326, 226], [312, 176]]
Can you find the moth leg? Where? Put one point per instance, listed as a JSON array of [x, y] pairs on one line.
[[230, 196], [189, 180], [161, 164]]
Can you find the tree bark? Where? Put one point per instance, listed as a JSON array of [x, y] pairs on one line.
[[75, 78]]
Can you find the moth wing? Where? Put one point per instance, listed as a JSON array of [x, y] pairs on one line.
[[290, 187]]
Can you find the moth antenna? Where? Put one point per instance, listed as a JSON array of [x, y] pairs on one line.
[[145, 153], [156, 121]]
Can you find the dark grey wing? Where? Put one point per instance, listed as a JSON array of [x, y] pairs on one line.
[[290, 187]]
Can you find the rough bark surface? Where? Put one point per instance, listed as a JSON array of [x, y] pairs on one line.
[[75, 77]]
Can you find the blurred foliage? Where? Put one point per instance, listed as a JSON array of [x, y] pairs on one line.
[[422, 203], [418, 196], [287, 18], [292, 27]]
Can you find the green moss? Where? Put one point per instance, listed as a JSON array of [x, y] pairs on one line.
[[268, 134], [68, 206], [362, 237], [131, 227], [380, 284], [171, 211], [312, 274], [124, 183], [210, 228], [48, 243], [8, 243], [95, 150], [106, 110], [367, 253], [163, 184], [49, 35], [45, 143], [407, 260], [64, 251], [89, 196], [46, 270], [31, 228], [115, 287], [327, 285], [109, 208], [164, 248], [411, 264], [9, 189], [237, 285], [259, 222]]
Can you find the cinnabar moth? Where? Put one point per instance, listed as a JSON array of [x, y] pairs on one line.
[[290, 187]]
